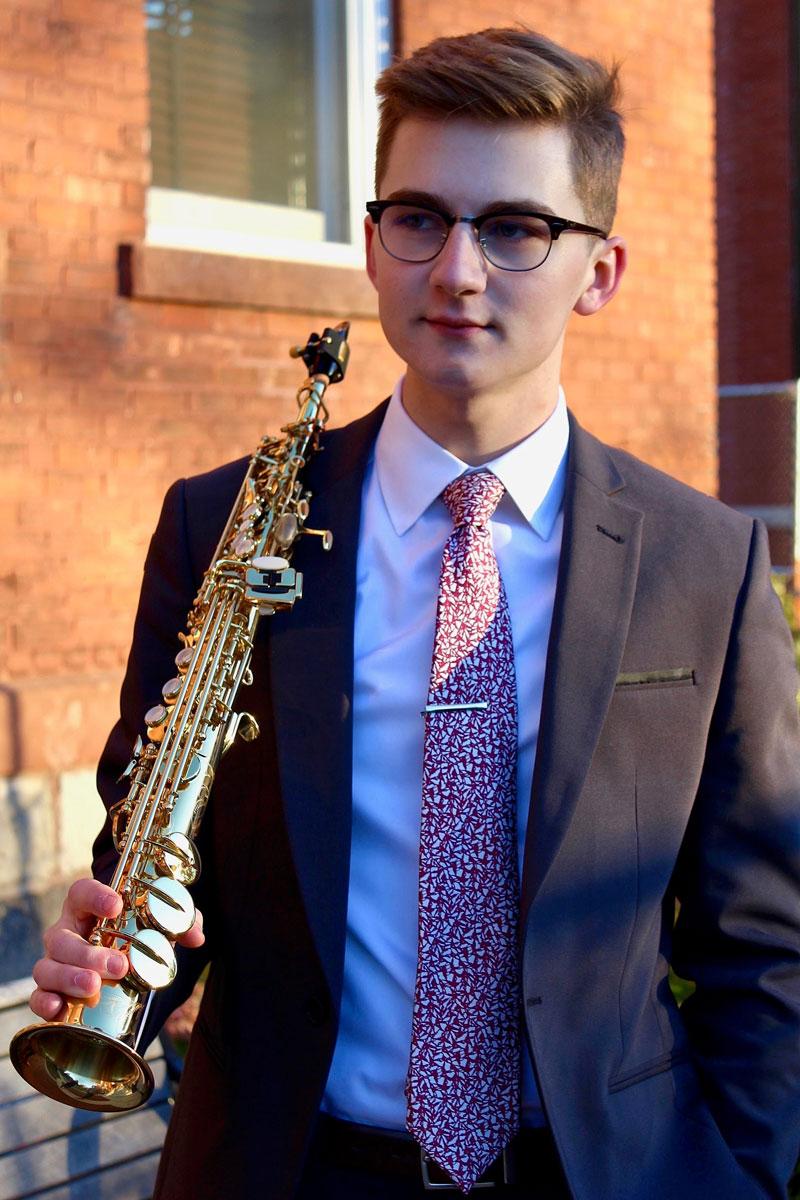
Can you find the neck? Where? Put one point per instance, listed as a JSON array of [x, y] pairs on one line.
[[478, 427]]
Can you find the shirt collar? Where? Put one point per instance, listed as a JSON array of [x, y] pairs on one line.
[[413, 469]]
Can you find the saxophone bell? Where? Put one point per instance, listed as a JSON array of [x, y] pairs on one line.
[[81, 1066]]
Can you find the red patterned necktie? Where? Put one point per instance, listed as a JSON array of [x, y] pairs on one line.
[[463, 1080]]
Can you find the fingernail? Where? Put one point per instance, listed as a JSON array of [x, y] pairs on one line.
[[117, 963], [86, 981]]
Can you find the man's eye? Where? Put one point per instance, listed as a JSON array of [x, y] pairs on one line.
[[515, 229], [415, 220]]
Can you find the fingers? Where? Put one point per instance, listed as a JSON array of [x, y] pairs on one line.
[[47, 1005], [72, 968], [52, 1006], [68, 952], [194, 937], [87, 900]]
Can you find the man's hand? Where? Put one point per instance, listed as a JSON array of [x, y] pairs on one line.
[[72, 968]]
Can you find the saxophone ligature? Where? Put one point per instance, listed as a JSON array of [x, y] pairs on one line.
[[88, 1057]]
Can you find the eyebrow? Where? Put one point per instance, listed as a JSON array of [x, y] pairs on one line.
[[411, 196]]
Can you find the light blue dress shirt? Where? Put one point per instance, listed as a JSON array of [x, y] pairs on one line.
[[404, 527]]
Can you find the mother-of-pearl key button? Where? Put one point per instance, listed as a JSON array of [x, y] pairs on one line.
[[183, 658], [171, 688], [243, 544], [270, 562]]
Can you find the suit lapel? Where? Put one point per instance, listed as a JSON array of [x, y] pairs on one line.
[[311, 672], [594, 596]]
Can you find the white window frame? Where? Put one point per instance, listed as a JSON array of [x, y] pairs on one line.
[[218, 225]]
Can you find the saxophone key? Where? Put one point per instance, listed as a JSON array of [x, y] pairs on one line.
[[248, 728], [152, 960], [184, 658], [120, 816], [244, 545], [155, 720], [286, 529], [176, 855], [272, 588], [324, 534], [171, 689], [193, 769], [168, 907], [243, 725], [251, 513], [269, 563], [133, 764]]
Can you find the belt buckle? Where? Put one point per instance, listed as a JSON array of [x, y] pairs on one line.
[[430, 1185]]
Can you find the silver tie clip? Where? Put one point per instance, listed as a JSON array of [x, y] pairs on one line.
[[434, 708]]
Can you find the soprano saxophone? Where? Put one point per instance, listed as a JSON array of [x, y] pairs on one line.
[[88, 1058]]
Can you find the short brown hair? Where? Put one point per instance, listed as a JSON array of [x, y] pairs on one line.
[[502, 74]]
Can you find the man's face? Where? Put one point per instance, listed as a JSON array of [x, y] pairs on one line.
[[464, 327]]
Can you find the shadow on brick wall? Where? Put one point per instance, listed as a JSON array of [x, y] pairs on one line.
[[21, 926], [21, 914]]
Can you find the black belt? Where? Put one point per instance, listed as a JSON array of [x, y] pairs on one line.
[[531, 1155]]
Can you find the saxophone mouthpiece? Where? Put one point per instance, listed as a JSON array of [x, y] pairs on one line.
[[309, 348], [326, 353]]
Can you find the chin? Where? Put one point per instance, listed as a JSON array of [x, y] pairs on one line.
[[454, 372], [455, 381]]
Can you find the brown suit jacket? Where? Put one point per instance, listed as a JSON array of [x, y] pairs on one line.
[[667, 768]]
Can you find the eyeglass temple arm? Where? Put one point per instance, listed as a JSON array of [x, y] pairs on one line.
[[559, 225]]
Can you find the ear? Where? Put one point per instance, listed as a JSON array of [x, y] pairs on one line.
[[606, 276], [370, 241]]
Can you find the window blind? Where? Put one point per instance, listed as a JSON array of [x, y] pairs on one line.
[[240, 107]]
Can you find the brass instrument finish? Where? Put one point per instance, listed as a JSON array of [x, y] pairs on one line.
[[88, 1058]]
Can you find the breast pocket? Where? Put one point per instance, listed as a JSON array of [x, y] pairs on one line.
[[630, 681]]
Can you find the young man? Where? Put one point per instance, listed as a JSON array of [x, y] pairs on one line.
[[390, 899]]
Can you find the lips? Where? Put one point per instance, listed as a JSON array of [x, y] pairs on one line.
[[455, 324]]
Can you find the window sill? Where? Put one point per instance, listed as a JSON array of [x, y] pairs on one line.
[[194, 277]]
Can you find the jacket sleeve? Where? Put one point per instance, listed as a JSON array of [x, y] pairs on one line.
[[738, 884], [169, 585]]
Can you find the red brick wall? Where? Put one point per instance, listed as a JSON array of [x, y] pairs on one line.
[[754, 169], [758, 266], [105, 400]]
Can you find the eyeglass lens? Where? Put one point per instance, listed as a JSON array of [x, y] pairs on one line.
[[512, 242]]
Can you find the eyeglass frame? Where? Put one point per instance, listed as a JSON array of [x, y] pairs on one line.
[[556, 225]]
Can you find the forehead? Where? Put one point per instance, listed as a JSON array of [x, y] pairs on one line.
[[474, 163]]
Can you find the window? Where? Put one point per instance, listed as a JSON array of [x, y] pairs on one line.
[[263, 122]]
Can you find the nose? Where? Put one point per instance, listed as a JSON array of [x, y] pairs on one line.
[[460, 267]]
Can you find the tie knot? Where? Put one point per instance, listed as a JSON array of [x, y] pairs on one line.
[[472, 498]]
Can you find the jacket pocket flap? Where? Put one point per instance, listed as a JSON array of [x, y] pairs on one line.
[[645, 1070]]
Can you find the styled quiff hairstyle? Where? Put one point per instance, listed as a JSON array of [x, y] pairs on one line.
[[514, 74]]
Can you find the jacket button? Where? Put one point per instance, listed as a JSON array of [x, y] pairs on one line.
[[317, 1010]]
